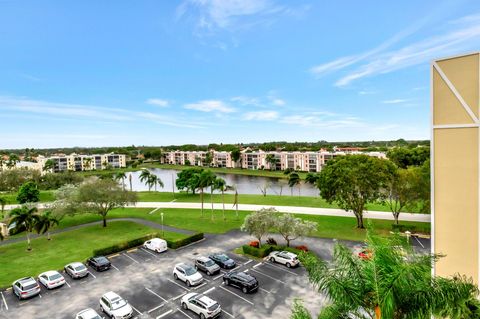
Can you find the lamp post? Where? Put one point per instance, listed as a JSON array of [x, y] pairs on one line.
[[163, 234]]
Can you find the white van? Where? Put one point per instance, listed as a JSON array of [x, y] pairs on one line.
[[156, 244]]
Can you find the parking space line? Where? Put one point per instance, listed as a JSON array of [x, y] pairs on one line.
[[268, 292], [126, 255], [130, 250], [4, 301], [228, 313], [157, 307], [115, 267], [91, 275], [248, 301], [176, 283], [219, 276], [153, 292], [164, 314], [40, 295], [247, 262], [280, 268], [209, 290], [136, 310], [194, 243], [179, 296], [418, 241], [257, 265], [68, 284], [184, 313], [198, 287], [114, 255], [148, 252], [264, 274]]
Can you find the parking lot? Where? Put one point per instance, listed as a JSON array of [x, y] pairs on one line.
[[145, 279]]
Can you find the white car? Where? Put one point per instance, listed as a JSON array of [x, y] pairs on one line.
[[115, 306], [88, 314], [51, 279], [284, 257], [203, 306], [188, 274], [156, 244]]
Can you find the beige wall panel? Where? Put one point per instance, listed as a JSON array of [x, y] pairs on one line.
[[463, 73], [456, 200], [447, 110]]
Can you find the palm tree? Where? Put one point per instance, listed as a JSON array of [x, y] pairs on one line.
[[389, 284], [218, 184], [3, 202], [24, 217], [144, 178], [294, 180], [130, 180], [154, 180], [45, 222], [235, 199], [311, 178], [120, 176], [87, 163], [13, 159], [204, 179]]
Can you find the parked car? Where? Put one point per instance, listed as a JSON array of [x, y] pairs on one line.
[[115, 306], [156, 244], [203, 306], [88, 314], [223, 261], [25, 288], [246, 282], [51, 279], [284, 257], [76, 270], [188, 274], [99, 263], [207, 265]]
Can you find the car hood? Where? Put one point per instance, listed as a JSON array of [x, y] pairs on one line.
[[229, 262], [125, 310], [213, 267], [196, 276]]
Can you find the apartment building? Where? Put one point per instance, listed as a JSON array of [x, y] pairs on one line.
[[75, 162], [302, 161]]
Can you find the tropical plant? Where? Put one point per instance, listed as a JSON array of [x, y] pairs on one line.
[[294, 180], [221, 185], [154, 181], [13, 159], [259, 223], [235, 200], [271, 161], [208, 158], [203, 180], [45, 222], [49, 165], [387, 285], [87, 163], [352, 181], [187, 179], [28, 193], [401, 190], [144, 178], [311, 178], [24, 218], [130, 181], [291, 227], [120, 177], [3, 203], [236, 155]]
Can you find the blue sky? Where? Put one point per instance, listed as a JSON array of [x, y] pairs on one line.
[[97, 73]]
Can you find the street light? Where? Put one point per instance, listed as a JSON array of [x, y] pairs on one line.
[[163, 234]]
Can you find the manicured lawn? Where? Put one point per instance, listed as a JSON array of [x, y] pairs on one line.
[[75, 245], [45, 196]]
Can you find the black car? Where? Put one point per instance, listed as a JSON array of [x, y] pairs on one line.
[[223, 261], [99, 263], [242, 280]]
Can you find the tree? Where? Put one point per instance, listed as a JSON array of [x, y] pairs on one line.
[[272, 161], [130, 181], [220, 184], [235, 200], [49, 165], [154, 180], [99, 196], [263, 189], [311, 178], [208, 158], [236, 155], [24, 218], [45, 222], [203, 180], [3, 203], [28, 193], [259, 223], [405, 157], [187, 179], [291, 227], [120, 177], [87, 164], [13, 159], [388, 285], [145, 178], [352, 181], [401, 190], [294, 180]]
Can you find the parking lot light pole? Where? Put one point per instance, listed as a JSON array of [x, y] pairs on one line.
[[163, 233]]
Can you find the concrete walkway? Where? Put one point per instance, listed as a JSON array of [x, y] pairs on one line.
[[424, 218], [135, 220]]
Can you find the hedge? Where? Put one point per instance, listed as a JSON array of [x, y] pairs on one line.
[[173, 244], [265, 250]]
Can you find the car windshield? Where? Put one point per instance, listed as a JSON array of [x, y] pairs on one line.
[[55, 277], [80, 268], [245, 277], [118, 303], [190, 271], [222, 257], [29, 286], [101, 260], [209, 263], [213, 307]]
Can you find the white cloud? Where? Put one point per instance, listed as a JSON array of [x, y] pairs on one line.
[[158, 102], [366, 92], [261, 116], [323, 120], [210, 106], [245, 100], [395, 101], [278, 102]]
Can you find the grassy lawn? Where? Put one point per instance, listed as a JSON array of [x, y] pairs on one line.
[[45, 196], [328, 226], [17, 262]]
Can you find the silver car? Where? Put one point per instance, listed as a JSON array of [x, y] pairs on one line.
[[25, 288], [207, 265], [88, 314], [76, 270]]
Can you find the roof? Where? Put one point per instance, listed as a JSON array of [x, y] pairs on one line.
[[50, 273], [76, 264], [26, 279], [90, 312], [206, 300], [111, 295], [203, 258]]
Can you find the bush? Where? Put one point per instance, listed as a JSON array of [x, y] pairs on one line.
[[271, 241], [254, 243], [257, 252], [173, 244], [302, 248]]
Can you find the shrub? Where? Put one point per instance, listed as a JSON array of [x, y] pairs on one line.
[[302, 248], [271, 241], [257, 252], [254, 243], [184, 241]]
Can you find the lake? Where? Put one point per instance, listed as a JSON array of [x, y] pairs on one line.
[[245, 184]]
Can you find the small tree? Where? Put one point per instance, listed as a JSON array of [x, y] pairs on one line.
[[401, 190], [45, 222], [145, 178], [120, 177], [236, 155], [24, 218], [49, 165], [28, 193], [294, 180], [3, 202], [264, 188], [291, 227], [259, 223]]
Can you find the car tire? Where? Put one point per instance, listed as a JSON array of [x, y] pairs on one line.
[[288, 265], [202, 316], [188, 283], [184, 306], [244, 290], [175, 276], [272, 259]]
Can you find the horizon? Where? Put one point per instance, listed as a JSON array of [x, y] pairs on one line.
[[230, 72]]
